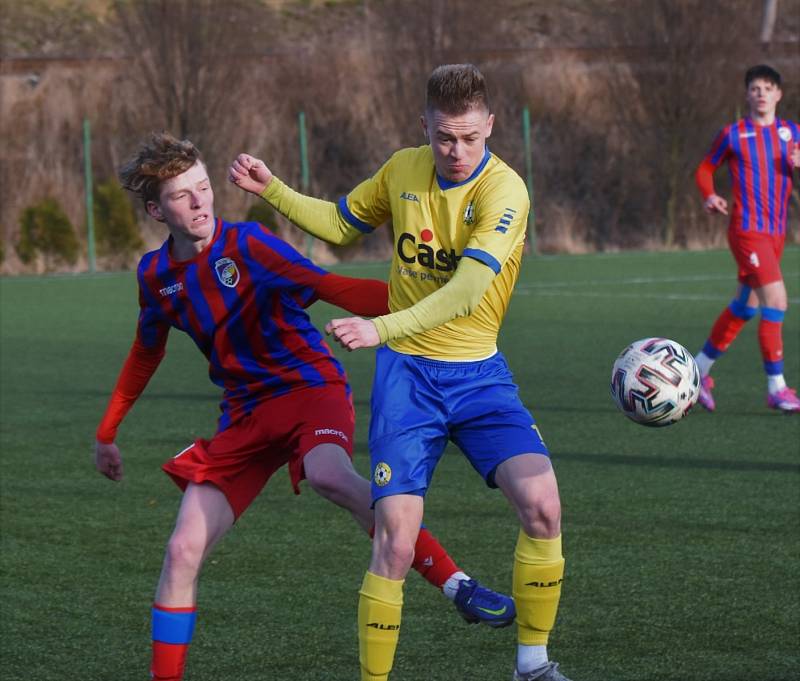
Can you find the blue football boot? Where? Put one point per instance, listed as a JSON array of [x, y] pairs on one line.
[[476, 604]]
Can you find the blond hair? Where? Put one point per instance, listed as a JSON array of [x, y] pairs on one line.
[[159, 158]]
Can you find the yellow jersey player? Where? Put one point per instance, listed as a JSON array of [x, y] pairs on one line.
[[459, 216]]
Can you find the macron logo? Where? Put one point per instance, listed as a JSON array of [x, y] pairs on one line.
[[330, 431], [169, 290]]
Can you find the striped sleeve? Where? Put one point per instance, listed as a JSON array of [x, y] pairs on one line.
[[704, 175], [137, 371]]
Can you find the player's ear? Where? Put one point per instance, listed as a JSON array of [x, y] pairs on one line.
[[489, 124], [424, 126], [154, 211]]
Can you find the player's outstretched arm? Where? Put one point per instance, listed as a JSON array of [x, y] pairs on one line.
[[315, 216], [250, 173], [367, 297], [458, 298], [108, 460], [353, 333]]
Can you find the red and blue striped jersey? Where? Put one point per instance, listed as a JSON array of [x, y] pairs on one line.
[[242, 301], [758, 159]]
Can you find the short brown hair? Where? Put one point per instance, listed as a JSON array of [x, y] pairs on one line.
[[456, 88], [159, 158]]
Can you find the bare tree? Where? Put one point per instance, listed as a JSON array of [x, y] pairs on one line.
[[678, 83], [191, 61], [768, 21], [62, 29]]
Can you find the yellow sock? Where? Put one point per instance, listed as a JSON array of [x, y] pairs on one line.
[[538, 573], [379, 609]]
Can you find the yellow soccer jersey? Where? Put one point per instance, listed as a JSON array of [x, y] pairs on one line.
[[436, 223]]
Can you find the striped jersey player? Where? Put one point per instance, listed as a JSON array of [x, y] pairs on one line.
[[240, 293], [761, 152], [758, 157]]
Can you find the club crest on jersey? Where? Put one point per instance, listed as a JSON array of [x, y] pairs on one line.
[[784, 133], [227, 272], [469, 213], [382, 474]]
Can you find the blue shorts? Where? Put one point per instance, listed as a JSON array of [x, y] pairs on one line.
[[418, 404]]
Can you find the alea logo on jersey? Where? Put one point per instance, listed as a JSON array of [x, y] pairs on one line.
[[411, 251], [227, 272]]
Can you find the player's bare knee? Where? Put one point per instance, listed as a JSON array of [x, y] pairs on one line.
[[773, 295], [542, 517], [184, 553], [397, 553]]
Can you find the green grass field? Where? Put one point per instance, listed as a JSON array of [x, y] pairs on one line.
[[682, 544]]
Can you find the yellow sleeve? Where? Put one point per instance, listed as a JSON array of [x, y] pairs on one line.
[[368, 205], [457, 298], [319, 218], [502, 221]]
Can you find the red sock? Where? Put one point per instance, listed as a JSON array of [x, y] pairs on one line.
[[770, 338], [169, 661], [431, 560], [725, 330], [175, 625]]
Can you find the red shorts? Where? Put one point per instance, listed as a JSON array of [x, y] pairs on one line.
[[758, 257], [240, 459]]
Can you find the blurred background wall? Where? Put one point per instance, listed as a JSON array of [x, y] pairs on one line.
[[624, 97]]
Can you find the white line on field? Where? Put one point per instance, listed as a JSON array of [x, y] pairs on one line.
[[625, 294], [637, 280]]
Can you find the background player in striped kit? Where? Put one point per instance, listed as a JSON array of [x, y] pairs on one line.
[[459, 216], [240, 293], [761, 151]]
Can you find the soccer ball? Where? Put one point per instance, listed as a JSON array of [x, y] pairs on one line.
[[655, 381]]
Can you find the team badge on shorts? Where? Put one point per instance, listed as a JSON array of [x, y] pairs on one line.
[[784, 133], [227, 272], [382, 474]]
